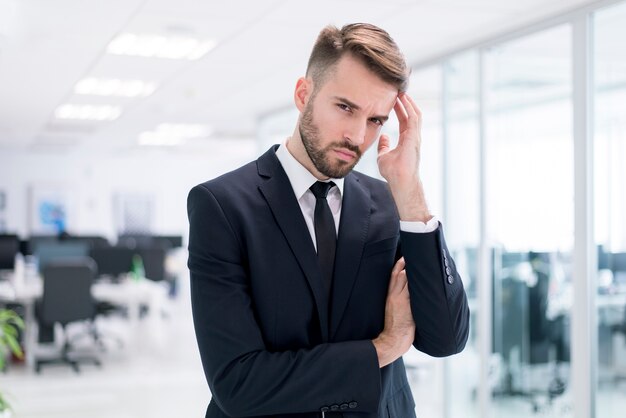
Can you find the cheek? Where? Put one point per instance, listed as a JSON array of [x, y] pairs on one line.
[[332, 126]]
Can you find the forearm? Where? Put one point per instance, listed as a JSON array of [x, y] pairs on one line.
[[438, 299], [410, 200], [300, 381], [246, 379]]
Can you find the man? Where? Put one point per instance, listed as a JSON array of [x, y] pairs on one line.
[[300, 297]]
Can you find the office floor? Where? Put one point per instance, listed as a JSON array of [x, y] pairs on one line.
[[152, 375], [158, 374]]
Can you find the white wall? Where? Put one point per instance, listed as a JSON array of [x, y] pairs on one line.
[[93, 181]]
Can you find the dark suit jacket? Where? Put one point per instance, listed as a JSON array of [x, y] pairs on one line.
[[271, 343]]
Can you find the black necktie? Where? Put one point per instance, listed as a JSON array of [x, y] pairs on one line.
[[325, 233]]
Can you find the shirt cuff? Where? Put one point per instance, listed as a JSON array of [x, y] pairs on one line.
[[419, 227]]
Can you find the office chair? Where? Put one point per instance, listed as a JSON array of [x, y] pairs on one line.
[[618, 267], [153, 259], [105, 309], [9, 247], [547, 336], [66, 299], [527, 331], [619, 328]]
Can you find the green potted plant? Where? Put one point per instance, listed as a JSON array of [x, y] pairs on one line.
[[10, 324]]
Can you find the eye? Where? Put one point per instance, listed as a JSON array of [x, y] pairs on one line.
[[377, 121], [344, 107]]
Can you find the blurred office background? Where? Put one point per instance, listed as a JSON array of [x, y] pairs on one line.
[[111, 111]]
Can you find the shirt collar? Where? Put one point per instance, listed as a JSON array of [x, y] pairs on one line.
[[299, 177]]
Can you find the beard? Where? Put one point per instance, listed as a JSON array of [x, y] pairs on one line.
[[325, 163]]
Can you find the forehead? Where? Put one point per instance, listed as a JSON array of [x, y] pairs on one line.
[[352, 80]]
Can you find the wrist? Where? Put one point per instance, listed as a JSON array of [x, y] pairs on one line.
[[411, 202], [385, 350]]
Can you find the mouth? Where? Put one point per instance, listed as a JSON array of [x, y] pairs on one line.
[[345, 154]]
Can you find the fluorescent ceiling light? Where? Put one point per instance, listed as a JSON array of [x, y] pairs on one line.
[[151, 138], [114, 87], [184, 130], [172, 134], [147, 45], [87, 112]]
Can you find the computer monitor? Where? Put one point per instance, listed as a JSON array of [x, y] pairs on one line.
[[93, 241], [147, 241], [35, 240], [113, 261], [512, 259], [47, 252], [618, 262], [153, 262], [135, 241], [173, 241], [603, 258], [9, 247]]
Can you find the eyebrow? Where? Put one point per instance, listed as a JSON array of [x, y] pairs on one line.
[[357, 107]]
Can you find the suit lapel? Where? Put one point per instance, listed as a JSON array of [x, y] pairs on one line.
[[279, 195], [353, 228]]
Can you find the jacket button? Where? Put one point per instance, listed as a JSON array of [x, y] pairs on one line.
[[450, 279], [448, 271], [334, 407], [343, 406], [324, 409], [353, 405]]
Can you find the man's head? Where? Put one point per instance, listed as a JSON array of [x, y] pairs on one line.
[[369, 44], [353, 78]]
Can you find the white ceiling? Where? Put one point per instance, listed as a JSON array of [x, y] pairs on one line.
[[46, 47]]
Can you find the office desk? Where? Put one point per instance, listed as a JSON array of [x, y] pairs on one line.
[[128, 293], [563, 303]]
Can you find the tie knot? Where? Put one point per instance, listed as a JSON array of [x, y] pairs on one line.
[[320, 189]]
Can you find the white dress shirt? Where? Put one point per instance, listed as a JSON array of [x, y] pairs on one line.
[[301, 179]]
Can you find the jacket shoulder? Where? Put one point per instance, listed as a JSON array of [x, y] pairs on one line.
[[232, 180], [245, 177]]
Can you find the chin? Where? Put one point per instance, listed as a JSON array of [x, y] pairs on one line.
[[340, 170]]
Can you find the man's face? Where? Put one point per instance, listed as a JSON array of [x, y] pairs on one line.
[[342, 118]]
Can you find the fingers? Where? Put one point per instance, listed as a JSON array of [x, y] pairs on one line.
[[398, 278], [406, 109], [403, 282], [399, 266], [409, 115], [410, 106], [401, 113]]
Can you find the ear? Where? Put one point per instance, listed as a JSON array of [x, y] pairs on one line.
[[303, 90]]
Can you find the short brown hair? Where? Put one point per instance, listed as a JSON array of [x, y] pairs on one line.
[[369, 43]]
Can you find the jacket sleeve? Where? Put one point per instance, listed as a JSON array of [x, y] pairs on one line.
[[438, 299], [245, 378]]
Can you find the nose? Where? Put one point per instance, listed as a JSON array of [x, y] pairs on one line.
[[355, 133]]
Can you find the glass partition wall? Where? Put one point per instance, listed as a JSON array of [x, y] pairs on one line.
[[461, 219], [530, 190], [609, 142]]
